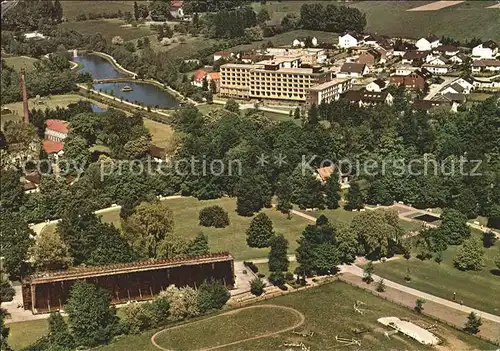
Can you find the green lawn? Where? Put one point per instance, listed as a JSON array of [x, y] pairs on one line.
[[464, 21], [264, 267], [23, 334], [213, 332], [109, 28], [18, 62], [161, 133], [328, 312], [475, 289], [231, 238]]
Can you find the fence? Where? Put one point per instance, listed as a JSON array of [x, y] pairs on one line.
[[440, 320]]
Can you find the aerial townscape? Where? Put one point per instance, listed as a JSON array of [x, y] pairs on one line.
[[250, 175]]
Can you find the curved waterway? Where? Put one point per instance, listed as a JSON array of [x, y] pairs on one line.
[[144, 93]]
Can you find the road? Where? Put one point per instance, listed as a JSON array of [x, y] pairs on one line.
[[7, 5]]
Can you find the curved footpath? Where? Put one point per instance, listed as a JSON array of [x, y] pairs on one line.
[[300, 320]]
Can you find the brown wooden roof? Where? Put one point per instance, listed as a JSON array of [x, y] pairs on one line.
[[123, 268]]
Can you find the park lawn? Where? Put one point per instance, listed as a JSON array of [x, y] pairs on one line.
[[476, 289], [231, 238], [328, 312], [18, 62], [23, 334], [161, 133], [109, 28], [213, 332]]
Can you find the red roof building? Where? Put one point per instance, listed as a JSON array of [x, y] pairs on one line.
[[56, 130], [52, 147]]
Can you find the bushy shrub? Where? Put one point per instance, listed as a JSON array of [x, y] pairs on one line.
[[214, 216], [137, 317], [212, 296], [289, 277], [251, 266], [183, 302], [7, 292], [277, 279], [257, 287]]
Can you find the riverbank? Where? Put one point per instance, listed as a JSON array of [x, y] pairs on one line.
[[123, 70]]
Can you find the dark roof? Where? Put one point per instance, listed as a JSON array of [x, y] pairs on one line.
[[353, 34], [431, 38], [33, 177], [123, 268], [415, 55], [490, 44], [405, 46], [380, 82], [485, 63], [156, 151], [455, 86], [450, 97], [375, 37], [29, 186], [442, 58], [444, 48], [353, 67], [428, 104], [365, 96], [424, 73], [468, 79]]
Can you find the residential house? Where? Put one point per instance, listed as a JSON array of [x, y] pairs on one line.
[[215, 77], [412, 81], [374, 40], [301, 42], [353, 70], [437, 69], [462, 85], [451, 98], [486, 66], [439, 61], [404, 70], [377, 85], [459, 59], [429, 105], [222, 54], [34, 36], [415, 58], [428, 43], [326, 172], [31, 182], [370, 57], [350, 39], [446, 50], [328, 91], [176, 10], [367, 98], [486, 50], [403, 47], [198, 78]]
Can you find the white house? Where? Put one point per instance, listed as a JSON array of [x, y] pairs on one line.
[[405, 70], [446, 50], [486, 50], [376, 86], [353, 70], [369, 98], [486, 65], [349, 40], [301, 42], [439, 61], [458, 59], [437, 69], [425, 44], [34, 36]]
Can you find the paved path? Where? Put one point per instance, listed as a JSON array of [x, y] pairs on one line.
[[355, 270]]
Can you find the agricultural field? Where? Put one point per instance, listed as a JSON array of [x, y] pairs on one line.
[[327, 311], [476, 289], [109, 28], [18, 62], [71, 9], [462, 21]]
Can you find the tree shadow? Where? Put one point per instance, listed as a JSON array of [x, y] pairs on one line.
[[495, 272]]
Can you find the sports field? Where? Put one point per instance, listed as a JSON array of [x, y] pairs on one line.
[[476, 289], [328, 312]]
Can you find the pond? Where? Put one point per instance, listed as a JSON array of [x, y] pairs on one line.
[[98, 109], [147, 94], [99, 67], [144, 93]]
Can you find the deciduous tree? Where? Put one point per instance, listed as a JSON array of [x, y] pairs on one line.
[[278, 258], [50, 252], [354, 198], [470, 255]]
